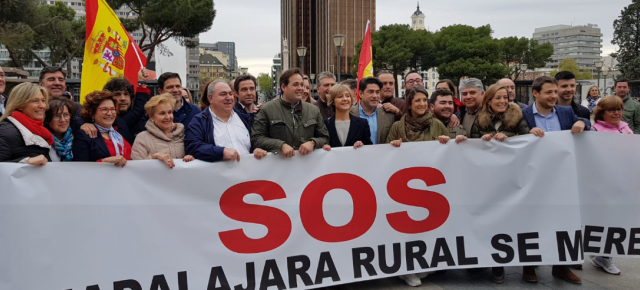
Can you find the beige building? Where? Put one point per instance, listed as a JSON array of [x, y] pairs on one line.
[[312, 24], [212, 68], [582, 43]]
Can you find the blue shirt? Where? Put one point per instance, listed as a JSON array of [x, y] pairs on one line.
[[373, 123], [549, 123]]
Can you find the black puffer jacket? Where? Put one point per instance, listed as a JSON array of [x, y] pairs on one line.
[[13, 147]]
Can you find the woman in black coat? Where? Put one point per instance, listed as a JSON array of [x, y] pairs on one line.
[[345, 130], [23, 138]]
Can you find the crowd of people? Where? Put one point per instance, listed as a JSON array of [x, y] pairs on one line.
[[40, 123]]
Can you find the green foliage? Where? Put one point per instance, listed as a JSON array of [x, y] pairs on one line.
[[516, 51], [569, 64], [64, 35], [17, 19], [164, 19], [462, 50], [626, 36], [265, 82]]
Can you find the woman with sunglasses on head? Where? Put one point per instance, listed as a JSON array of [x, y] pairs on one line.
[[109, 146]]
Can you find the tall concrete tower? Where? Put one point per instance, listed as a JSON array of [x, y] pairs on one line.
[[417, 19]]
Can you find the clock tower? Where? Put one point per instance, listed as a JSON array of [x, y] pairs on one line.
[[417, 19]]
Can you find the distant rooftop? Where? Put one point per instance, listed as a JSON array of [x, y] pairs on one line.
[[563, 26]]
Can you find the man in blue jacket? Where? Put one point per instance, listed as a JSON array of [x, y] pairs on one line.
[[545, 116], [184, 111], [220, 132]]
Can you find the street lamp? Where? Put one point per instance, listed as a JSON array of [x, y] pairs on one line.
[[523, 68], [244, 70], [605, 72], [339, 40], [302, 52], [599, 64]]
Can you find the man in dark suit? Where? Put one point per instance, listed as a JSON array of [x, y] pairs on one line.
[[545, 116], [379, 121], [566, 92]]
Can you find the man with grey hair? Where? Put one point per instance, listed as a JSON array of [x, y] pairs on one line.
[[325, 81], [220, 132], [508, 84], [471, 92]]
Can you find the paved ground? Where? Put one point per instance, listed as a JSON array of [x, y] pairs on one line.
[[592, 278]]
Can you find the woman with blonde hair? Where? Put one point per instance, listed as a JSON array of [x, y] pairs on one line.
[[164, 139], [345, 129], [23, 137], [306, 94], [186, 94], [498, 118], [592, 99], [608, 116]]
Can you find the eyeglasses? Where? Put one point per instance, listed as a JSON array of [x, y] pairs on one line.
[[414, 81], [106, 110], [614, 110], [65, 116]]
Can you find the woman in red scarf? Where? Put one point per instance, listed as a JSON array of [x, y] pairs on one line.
[[23, 138]]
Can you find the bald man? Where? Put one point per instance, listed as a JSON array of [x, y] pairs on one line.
[[511, 91]]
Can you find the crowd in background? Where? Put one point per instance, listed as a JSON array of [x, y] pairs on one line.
[[40, 123]]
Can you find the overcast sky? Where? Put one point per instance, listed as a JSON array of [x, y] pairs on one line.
[[254, 25]]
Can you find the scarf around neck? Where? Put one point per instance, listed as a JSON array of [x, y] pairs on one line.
[[413, 129], [116, 138], [34, 126], [63, 147], [592, 103]]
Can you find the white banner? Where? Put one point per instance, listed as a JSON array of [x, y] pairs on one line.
[[324, 219]]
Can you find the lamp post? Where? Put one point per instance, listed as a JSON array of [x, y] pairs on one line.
[[339, 40], [244, 70], [523, 68], [605, 72], [599, 64], [302, 52]]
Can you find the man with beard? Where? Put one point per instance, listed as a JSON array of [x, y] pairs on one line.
[[443, 107], [391, 104], [511, 91], [288, 124], [544, 115], [566, 91], [631, 113], [3, 85]]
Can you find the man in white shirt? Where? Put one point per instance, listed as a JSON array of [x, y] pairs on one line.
[[219, 132]]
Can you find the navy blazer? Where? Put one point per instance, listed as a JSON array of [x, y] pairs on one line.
[[185, 114], [199, 141], [89, 149], [566, 116], [358, 131]]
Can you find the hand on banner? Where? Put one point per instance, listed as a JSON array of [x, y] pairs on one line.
[[396, 143], [358, 145], [143, 75], [326, 147], [487, 137], [443, 139], [454, 121], [39, 160], [578, 127], [90, 130], [230, 154], [537, 132], [259, 153], [118, 161], [460, 139], [287, 151], [166, 158], [500, 137], [389, 108], [306, 148], [188, 158]]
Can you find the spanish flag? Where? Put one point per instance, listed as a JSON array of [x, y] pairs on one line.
[[365, 66], [109, 50]]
